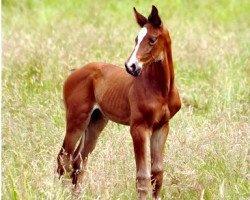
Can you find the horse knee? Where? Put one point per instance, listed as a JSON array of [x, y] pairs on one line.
[[156, 168]]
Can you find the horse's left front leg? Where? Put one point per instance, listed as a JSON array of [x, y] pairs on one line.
[[141, 138], [157, 143]]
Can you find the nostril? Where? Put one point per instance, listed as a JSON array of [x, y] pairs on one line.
[[133, 67]]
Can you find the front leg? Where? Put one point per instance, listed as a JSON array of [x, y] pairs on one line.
[[141, 136], [157, 143]]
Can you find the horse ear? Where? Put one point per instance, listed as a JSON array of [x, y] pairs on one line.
[[154, 18], [141, 20]]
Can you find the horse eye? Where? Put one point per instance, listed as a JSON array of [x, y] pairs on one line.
[[152, 41]]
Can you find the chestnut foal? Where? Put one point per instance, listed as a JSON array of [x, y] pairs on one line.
[[145, 101]]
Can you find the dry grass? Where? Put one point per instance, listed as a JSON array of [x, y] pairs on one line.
[[206, 155]]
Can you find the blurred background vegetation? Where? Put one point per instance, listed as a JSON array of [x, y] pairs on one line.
[[207, 153]]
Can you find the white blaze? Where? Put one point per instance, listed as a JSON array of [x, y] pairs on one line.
[[141, 35]]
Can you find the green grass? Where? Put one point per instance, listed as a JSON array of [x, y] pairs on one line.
[[206, 155]]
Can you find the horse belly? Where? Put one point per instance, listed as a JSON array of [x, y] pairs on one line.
[[112, 98], [116, 117], [115, 111]]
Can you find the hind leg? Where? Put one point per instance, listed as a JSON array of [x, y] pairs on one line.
[[77, 121], [87, 145]]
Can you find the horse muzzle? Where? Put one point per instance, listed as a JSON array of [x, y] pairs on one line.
[[134, 69]]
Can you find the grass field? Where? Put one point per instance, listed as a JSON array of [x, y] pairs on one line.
[[207, 153]]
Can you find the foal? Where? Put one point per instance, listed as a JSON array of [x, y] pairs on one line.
[[145, 101]]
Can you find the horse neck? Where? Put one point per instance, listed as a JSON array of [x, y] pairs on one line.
[[160, 74], [168, 51]]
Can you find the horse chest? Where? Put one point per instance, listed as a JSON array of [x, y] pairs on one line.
[[154, 113], [160, 116]]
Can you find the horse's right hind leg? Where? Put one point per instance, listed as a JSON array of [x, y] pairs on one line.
[[96, 125]]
